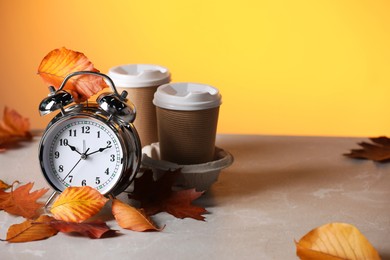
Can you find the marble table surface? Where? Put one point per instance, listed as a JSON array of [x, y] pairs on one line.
[[277, 190]]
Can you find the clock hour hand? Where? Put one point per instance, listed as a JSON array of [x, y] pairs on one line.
[[73, 149], [99, 150]]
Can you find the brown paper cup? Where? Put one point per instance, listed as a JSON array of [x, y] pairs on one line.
[[145, 122], [187, 137], [141, 81]]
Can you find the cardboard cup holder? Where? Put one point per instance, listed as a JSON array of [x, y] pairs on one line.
[[198, 176]]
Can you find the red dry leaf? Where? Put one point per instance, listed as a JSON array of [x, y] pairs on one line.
[[21, 202], [76, 204], [58, 63], [157, 196], [95, 229], [31, 230], [379, 151], [13, 128], [131, 218]]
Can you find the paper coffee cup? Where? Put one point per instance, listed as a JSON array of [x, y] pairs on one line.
[[187, 118], [141, 82]]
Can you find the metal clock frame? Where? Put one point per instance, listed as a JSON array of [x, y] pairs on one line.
[[112, 111]]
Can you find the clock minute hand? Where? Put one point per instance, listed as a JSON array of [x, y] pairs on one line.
[[99, 150]]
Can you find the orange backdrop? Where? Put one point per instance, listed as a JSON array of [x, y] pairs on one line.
[[284, 67]]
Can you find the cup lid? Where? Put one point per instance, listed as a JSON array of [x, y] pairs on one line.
[[187, 96], [139, 75]]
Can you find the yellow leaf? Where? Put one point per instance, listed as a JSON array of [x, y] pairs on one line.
[[131, 218], [58, 63], [76, 204], [30, 230], [335, 241]]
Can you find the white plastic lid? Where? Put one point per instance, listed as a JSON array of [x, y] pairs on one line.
[[187, 96], [139, 75]]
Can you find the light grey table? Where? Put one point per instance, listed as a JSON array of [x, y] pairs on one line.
[[277, 190]]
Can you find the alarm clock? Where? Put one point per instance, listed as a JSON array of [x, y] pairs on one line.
[[91, 143]]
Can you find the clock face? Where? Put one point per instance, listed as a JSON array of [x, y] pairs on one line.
[[82, 151]]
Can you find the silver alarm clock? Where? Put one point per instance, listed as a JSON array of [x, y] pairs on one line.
[[89, 144]]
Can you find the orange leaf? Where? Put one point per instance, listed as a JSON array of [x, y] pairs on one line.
[[335, 241], [30, 230], [13, 127], [21, 202], [76, 204], [4, 186], [90, 229], [58, 63], [131, 218]]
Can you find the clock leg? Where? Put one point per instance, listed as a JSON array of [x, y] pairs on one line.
[[50, 199]]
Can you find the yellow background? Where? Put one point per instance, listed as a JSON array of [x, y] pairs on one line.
[[283, 67]]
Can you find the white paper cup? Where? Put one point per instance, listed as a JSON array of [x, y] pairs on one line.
[[187, 118], [141, 82]]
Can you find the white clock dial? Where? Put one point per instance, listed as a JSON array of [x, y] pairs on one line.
[[83, 151]]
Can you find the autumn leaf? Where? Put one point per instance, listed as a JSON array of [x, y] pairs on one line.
[[131, 218], [58, 63], [76, 204], [95, 229], [150, 192], [21, 202], [179, 204], [335, 241], [4, 186], [31, 230], [157, 196], [378, 151], [13, 128]]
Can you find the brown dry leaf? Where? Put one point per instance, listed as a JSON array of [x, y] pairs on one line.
[[21, 202], [91, 229], [132, 218], [58, 63], [31, 230], [335, 241], [179, 204], [76, 204], [13, 128], [378, 151], [157, 196], [4, 186]]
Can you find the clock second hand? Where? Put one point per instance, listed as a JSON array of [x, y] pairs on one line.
[[83, 157]]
